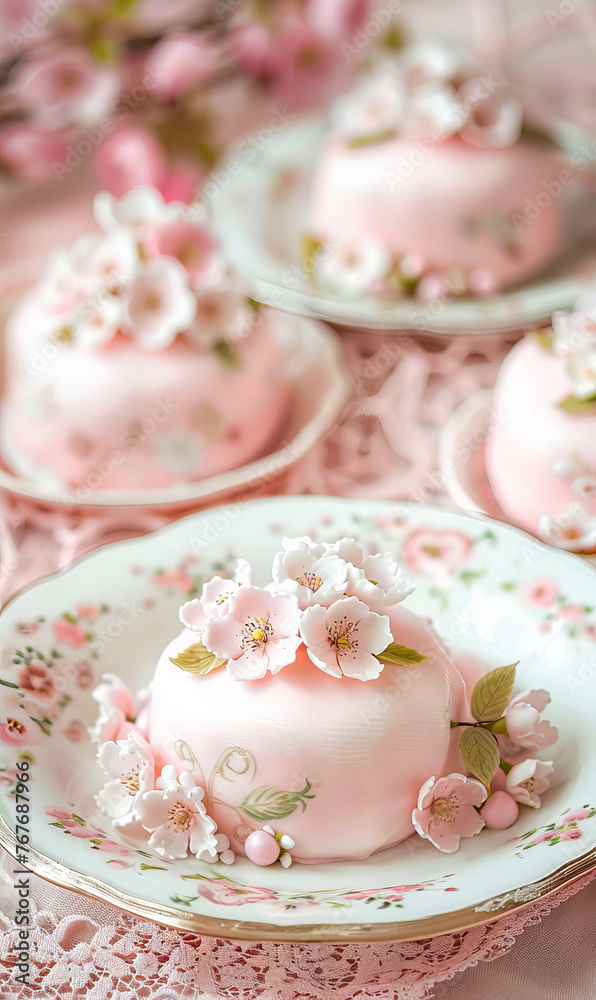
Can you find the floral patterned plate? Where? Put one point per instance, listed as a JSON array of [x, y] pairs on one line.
[[462, 445], [258, 199], [491, 591], [319, 388]]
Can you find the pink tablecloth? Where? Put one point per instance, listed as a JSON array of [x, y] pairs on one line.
[[385, 445]]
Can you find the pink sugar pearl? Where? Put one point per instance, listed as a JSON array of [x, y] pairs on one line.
[[499, 811], [261, 848]]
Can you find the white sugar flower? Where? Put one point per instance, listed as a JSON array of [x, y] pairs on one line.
[[527, 781], [160, 304], [379, 582], [214, 597], [313, 577], [433, 109], [352, 268], [373, 107], [217, 312], [176, 818], [141, 207], [432, 60], [347, 549], [581, 370], [345, 638], [131, 771], [97, 320]]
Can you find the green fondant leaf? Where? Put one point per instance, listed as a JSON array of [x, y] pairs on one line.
[[491, 695], [578, 407], [401, 656], [543, 338], [311, 248], [227, 354], [197, 659], [480, 753], [268, 802], [372, 139]]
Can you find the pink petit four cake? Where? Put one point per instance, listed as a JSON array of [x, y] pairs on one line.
[[541, 453], [315, 720], [137, 361], [425, 181]]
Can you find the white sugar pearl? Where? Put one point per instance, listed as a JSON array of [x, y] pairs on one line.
[[285, 860], [222, 842], [287, 842], [227, 857], [563, 467], [207, 855]]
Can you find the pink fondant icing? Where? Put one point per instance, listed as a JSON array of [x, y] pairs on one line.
[[453, 205], [532, 436], [120, 416], [365, 747]]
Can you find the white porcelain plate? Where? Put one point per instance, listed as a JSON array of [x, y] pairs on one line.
[[319, 388], [259, 199], [491, 591]]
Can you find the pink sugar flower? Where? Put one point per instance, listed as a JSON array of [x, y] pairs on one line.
[[345, 638], [190, 244], [528, 780], [438, 553], [130, 768], [309, 573], [160, 304], [541, 593], [37, 681], [175, 816], [259, 633], [527, 731], [117, 710], [214, 598], [178, 63], [446, 811], [69, 633]]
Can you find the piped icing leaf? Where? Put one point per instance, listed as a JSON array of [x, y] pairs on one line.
[[196, 659], [480, 753], [491, 695], [268, 802], [578, 407], [401, 656]]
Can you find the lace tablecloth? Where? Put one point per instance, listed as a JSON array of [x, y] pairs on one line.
[[385, 445]]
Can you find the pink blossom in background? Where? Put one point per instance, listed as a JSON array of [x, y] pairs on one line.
[[191, 245], [130, 156], [64, 85], [573, 834], [181, 184], [178, 63], [56, 812], [573, 614], [30, 152], [435, 552], [90, 611], [75, 731], [577, 816], [308, 68], [69, 633], [16, 728]]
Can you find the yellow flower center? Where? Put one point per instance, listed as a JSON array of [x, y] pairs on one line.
[[310, 580], [179, 817], [446, 809], [131, 781]]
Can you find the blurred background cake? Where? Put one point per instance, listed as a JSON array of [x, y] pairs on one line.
[[137, 360]]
